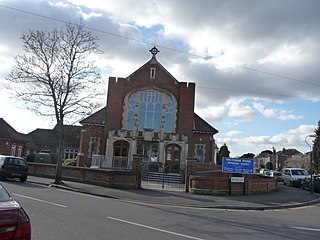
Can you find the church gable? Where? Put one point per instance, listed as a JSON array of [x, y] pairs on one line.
[[153, 73]]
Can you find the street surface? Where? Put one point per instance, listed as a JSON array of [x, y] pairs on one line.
[[58, 214]]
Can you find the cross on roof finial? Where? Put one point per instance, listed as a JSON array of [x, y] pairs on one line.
[[154, 51]]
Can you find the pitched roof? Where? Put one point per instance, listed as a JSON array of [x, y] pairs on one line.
[[6, 131], [97, 118], [44, 136], [200, 125], [50, 136], [289, 151], [153, 61]]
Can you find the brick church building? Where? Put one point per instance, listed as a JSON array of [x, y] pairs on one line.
[[150, 114]]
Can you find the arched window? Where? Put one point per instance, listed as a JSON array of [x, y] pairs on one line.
[[149, 106]]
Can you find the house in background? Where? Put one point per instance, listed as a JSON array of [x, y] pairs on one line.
[[277, 159], [46, 141], [286, 154], [151, 114], [38, 141], [12, 142]]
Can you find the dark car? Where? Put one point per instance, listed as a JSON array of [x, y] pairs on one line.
[[305, 184], [13, 167], [277, 175], [14, 221]]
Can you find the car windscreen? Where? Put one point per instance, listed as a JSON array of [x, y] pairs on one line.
[[299, 172]]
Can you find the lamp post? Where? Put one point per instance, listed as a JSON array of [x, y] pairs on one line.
[[311, 162]]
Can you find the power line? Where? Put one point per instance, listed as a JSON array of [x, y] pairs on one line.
[[164, 47]]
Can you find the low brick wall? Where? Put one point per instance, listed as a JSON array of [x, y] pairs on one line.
[[102, 177], [220, 185]]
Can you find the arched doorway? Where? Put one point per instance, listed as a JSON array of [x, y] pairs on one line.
[[172, 158], [120, 154]]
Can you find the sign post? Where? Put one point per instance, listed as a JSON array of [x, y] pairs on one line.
[[238, 165]]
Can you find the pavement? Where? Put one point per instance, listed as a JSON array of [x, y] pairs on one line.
[[168, 195]]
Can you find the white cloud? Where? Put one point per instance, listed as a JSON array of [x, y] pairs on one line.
[[233, 133], [286, 54], [237, 110], [275, 113], [212, 113], [293, 138]]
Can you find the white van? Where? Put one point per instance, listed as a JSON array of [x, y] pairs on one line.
[[294, 176]]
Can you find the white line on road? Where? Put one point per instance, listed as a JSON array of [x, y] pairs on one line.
[[153, 228], [39, 200], [308, 229]]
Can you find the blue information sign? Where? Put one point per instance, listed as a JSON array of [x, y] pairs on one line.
[[238, 165]]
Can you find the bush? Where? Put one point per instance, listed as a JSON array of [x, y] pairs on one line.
[[42, 158], [70, 162]]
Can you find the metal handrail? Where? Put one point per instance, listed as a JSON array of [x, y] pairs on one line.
[[163, 172]]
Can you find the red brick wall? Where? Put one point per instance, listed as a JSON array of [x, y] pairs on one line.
[[219, 184], [186, 108], [202, 138], [119, 88], [114, 103], [86, 133], [116, 179], [6, 145]]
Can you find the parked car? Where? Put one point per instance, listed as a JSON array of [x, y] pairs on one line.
[[13, 167], [277, 175], [294, 176], [264, 172], [305, 184], [14, 221]]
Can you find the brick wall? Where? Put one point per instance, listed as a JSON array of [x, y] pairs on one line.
[[206, 139], [108, 178], [114, 103], [93, 131], [220, 185]]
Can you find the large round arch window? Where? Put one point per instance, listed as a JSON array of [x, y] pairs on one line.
[[154, 110]]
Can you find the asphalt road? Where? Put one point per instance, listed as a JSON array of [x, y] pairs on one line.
[[59, 214]]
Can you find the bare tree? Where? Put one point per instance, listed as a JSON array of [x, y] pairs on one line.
[[56, 76]]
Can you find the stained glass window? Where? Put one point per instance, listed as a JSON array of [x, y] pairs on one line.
[[150, 110]]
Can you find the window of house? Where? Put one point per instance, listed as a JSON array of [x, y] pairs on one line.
[[149, 106], [13, 150], [19, 151], [71, 153], [199, 152]]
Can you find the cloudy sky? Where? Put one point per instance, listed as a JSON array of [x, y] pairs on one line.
[[256, 64]]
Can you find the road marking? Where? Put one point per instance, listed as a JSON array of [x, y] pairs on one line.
[[308, 229], [39, 200], [153, 228]]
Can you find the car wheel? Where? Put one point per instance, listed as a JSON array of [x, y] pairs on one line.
[[23, 179]]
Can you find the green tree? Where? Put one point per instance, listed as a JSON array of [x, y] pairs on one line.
[[269, 165], [316, 151], [56, 76], [223, 152]]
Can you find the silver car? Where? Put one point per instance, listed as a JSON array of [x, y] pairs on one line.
[[294, 176]]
